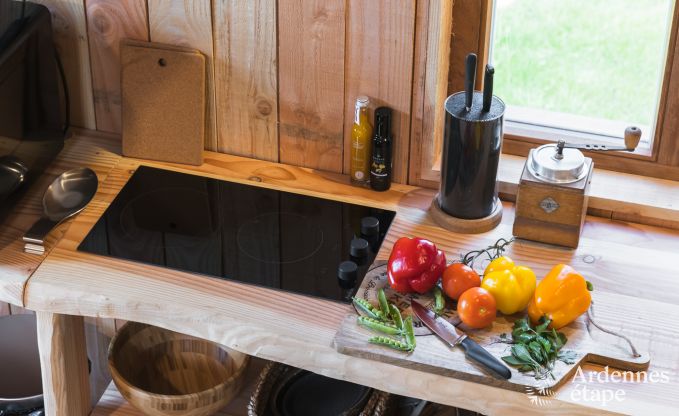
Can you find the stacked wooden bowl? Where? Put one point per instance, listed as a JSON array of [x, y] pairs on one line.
[[164, 373]]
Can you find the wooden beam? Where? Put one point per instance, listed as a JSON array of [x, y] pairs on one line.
[[70, 37], [311, 82], [188, 23], [244, 35], [108, 23], [430, 89], [63, 362], [379, 64]]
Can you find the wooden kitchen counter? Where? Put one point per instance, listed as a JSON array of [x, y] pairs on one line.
[[99, 152], [633, 268]]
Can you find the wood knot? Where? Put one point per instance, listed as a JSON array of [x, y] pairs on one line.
[[264, 107], [275, 172], [255, 178], [589, 259]]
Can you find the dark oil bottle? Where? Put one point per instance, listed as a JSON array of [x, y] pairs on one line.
[[381, 164]]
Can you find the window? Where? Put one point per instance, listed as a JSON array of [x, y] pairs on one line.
[[580, 69]]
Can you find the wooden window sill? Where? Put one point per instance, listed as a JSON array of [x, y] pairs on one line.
[[614, 195]]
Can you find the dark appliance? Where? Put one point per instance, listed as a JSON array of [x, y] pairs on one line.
[[250, 234], [33, 116]]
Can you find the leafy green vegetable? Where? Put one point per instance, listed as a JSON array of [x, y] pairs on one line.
[[537, 348]]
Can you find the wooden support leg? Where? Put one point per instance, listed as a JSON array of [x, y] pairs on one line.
[[63, 361]]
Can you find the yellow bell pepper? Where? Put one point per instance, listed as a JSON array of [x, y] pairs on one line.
[[562, 296], [512, 286]]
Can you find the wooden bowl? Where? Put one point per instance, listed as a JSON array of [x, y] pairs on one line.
[[164, 373]]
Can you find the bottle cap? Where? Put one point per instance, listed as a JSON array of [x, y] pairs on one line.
[[359, 248], [362, 101], [370, 226]]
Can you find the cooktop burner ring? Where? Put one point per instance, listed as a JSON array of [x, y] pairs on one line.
[[309, 232]]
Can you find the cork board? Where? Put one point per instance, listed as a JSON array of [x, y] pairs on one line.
[[163, 102]]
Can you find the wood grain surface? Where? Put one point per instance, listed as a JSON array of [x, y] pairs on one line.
[[165, 373], [70, 37], [188, 23], [63, 363], [95, 152], [113, 404], [430, 89], [109, 22], [271, 325], [245, 77], [378, 63], [311, 82], [587, 344]]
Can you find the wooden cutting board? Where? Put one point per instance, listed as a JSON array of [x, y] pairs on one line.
[[163, 102], [589, 344]]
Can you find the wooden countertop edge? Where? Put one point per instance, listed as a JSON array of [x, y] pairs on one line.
[[62, 284], [100, 152]]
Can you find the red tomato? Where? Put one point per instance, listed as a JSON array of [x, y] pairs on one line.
[[476, 308], [457, 278]]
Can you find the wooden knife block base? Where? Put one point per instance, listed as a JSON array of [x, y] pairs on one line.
[[465, 226]]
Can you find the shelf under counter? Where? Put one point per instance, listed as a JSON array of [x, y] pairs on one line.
[[299, 331]]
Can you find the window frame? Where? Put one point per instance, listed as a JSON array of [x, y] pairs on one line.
[[471, 27]]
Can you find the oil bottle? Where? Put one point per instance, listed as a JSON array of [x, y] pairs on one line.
[[381, 163], [361, 137]]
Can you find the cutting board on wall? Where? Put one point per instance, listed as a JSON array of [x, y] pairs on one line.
[[589, 345], [163, 102]]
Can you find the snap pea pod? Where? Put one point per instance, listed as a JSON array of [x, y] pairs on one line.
[[391, 343], [377, 325], [367, 308], [439, 301], [384, 304], [396, 316], [410, 332]]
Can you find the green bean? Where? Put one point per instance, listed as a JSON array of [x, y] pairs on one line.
[[384, 305], [391, 343], [439, 301], [396, 316], [377, 325], [410, 332], [367, 308]]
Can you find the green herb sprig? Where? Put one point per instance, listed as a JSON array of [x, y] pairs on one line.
[[537, 348]]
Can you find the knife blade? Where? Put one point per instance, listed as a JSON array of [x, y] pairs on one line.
[[453, 337]]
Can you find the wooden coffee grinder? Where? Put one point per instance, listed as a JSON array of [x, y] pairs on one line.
[[551, 204]]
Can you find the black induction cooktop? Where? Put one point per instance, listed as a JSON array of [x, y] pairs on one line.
[[245, 233]]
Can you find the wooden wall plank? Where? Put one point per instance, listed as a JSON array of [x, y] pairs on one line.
[[108, 23], [379, 64], [466, 38], [430, 89], [70, 36], [311, 82], [188, 23], [244, 35]]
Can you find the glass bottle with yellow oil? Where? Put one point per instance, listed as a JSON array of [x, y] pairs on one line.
[[361, 141]]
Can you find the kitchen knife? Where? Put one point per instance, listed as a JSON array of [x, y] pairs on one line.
[[488, 88], [469, 81], [453, 336]]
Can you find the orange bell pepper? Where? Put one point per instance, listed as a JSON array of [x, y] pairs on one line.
[[562, 296]]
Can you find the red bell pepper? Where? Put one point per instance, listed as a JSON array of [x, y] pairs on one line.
[[415, 265]]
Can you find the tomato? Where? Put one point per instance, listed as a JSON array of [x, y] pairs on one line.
[[476, 308], [457, 278]]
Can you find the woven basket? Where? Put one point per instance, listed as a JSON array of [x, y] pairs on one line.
[[273, 372]]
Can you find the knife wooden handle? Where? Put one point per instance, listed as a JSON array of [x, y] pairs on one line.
[[477, 353]]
